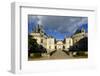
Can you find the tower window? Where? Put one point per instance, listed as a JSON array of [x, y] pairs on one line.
[[55, 47], [41, 40], [63, 47], [49, 47]]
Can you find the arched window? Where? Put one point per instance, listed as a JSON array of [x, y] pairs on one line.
[[63, 47], [55, 47], [49, 47], [41, 40]]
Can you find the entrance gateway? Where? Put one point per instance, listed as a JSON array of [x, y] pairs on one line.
[[59, 45]]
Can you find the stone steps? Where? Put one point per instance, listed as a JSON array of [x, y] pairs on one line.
[[59, 54]]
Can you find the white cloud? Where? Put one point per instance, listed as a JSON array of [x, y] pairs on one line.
[[60, 23]]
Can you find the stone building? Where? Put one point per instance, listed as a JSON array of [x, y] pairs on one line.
[[68, 42], [50, 43], [78, 35], [42, 39], [59, 45]]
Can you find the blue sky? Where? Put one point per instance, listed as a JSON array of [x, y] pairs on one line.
[[58, 26]]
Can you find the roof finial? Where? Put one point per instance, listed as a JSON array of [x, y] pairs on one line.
[[82, 30], [39, 20]]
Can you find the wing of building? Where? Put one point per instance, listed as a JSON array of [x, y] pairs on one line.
[[51, 44]]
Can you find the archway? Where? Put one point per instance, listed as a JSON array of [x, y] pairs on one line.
[[59, 45]]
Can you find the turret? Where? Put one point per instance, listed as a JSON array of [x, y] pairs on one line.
[[83, 30]]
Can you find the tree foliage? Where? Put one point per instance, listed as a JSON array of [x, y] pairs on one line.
[[81, 45], [34, 47]]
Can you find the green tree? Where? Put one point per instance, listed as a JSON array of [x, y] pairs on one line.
[[34, 47], [81, 45]]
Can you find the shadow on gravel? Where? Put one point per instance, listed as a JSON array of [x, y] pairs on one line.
[[51, 53], [66, 52]]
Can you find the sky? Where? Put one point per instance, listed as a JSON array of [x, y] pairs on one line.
[[58, 26]]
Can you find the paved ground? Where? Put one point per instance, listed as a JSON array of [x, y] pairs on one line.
[[56, 55], [60, 55]]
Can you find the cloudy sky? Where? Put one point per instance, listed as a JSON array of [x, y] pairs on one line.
[[58, 26]]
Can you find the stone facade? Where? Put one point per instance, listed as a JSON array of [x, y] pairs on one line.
[[78, 36], [68, 43], [52, 44]]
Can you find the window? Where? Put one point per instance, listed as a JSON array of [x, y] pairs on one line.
[[63, 47], [55, 47], [49, 47], [41, 40]]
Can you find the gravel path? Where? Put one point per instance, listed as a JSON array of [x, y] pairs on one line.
[[59, 54]]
